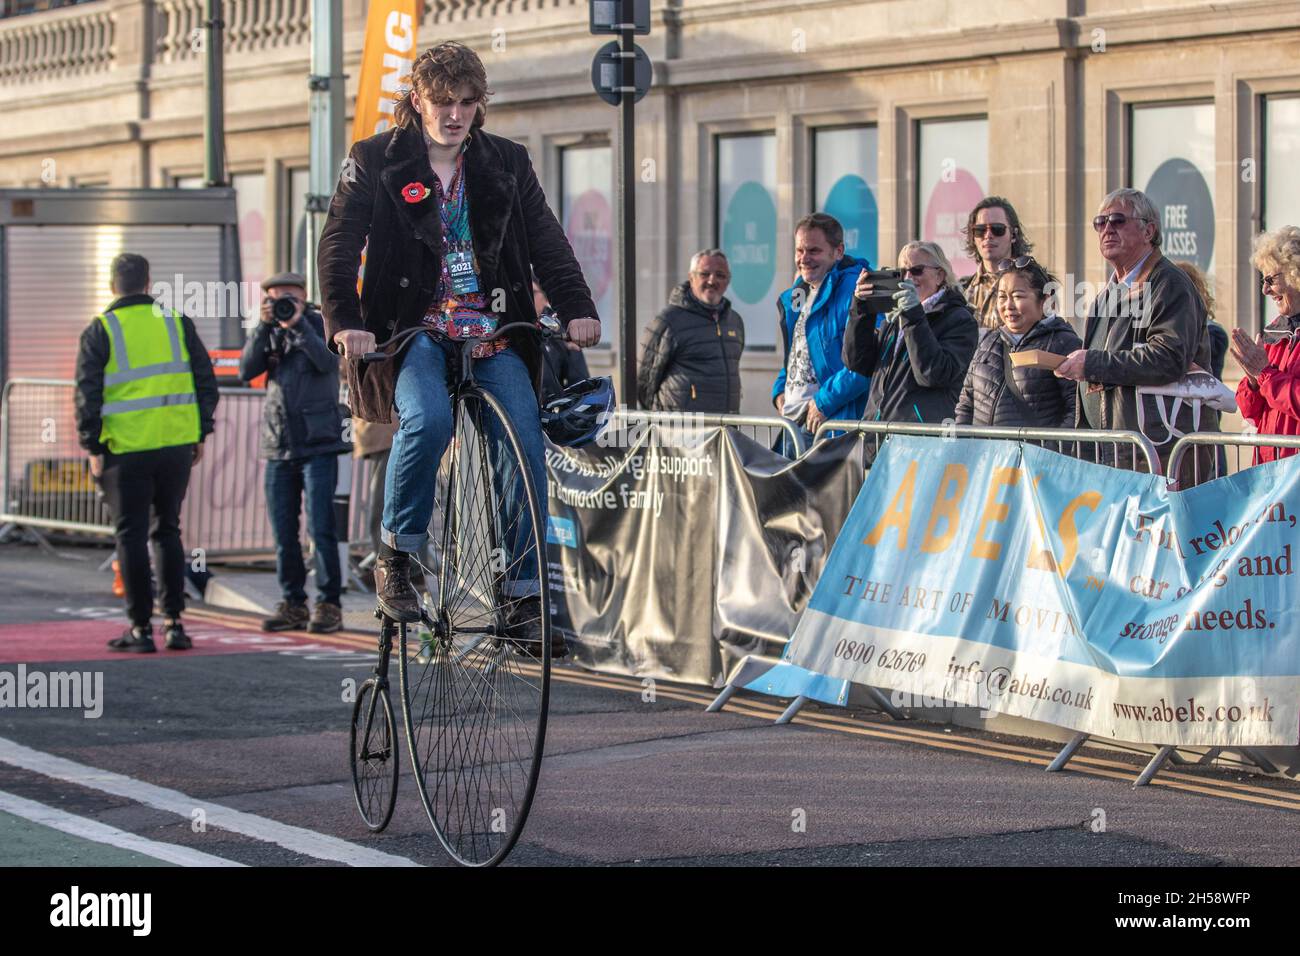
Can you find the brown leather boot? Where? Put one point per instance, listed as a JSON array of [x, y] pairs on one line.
[[397, 597], [524, 630]]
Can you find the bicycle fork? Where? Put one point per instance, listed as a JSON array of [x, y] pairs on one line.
[[386, 632]]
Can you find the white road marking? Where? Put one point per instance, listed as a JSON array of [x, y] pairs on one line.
[[98, 832], [299, 840]]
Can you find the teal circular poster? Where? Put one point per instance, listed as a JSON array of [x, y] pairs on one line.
[[749, 240], [1186, 210], [853, 204]]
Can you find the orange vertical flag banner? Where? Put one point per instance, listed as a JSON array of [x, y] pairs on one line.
[[388, 55]]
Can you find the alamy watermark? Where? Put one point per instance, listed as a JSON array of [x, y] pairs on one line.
[[58, 690], [209, 300]]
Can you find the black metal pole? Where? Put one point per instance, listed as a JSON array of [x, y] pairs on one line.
[[627, 213], [214, 166]]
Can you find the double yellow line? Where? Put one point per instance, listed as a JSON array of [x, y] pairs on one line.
[[896, 732]]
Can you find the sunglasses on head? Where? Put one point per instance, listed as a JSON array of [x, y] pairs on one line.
[[999, 229], [1020, 262], [1116, 219]]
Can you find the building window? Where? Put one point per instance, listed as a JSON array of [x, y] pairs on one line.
[[845, 183], [1172, 161], [250, 207], [587, 214], [952, 174], [295, 219], [745, 228], [1281, 147]]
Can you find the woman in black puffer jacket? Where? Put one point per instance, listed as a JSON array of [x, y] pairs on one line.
[[1031, 397]]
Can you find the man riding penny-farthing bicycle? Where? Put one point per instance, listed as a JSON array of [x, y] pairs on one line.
[[454, 224]]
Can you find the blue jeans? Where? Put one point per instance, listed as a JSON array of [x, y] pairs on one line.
[[286, 482], [424, 412]]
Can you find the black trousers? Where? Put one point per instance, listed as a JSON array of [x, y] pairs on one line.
[[136, 484]]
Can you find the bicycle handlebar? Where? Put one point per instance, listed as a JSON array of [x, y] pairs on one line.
[[401, 337]]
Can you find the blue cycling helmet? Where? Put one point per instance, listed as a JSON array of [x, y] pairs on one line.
[[580, 413]]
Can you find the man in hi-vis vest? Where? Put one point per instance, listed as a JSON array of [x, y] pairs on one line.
[[145, 398]]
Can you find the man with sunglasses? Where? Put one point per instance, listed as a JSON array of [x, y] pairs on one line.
[[993, 233], [1145, 329]]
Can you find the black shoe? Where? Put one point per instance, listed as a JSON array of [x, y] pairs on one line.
[[397, 597], [326, 618], [177, 639], [287, 617], [135, 640], [524, 630]]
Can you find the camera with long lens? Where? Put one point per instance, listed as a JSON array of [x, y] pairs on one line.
[[282, 309]]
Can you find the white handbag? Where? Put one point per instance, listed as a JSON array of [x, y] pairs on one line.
[[1197, 387]]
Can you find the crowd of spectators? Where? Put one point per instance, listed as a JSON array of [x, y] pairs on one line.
[[995, 347]]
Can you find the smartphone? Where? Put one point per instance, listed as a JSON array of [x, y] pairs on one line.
[[885, 282]]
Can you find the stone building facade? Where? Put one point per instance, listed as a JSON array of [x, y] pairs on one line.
[[892, 114]]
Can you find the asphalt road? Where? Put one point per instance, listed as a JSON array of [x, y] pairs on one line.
[[237, 752]]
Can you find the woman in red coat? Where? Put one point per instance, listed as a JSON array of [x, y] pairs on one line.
[[1269, 395]]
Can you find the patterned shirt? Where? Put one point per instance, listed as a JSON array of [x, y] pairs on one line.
[[467, 315]]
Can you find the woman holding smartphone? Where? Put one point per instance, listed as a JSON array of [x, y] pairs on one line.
[[918, 353]]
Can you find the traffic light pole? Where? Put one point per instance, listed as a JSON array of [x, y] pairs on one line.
[[627, 215]]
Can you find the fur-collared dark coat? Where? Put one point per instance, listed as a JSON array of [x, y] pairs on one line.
[[512, 227]]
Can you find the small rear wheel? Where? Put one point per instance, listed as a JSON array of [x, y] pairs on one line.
[[374, 754]]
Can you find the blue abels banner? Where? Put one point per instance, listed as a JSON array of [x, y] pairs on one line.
[[1023, 581]]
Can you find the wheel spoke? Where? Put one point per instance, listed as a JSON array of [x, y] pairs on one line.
[[475, 710]]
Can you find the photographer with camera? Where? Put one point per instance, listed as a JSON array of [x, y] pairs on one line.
[[917, 358], [302, 437]]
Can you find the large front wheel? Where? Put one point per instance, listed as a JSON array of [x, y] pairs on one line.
[[475, 702]]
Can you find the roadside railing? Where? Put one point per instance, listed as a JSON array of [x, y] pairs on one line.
[[1230, 451], [1120, 449], [766, 431]]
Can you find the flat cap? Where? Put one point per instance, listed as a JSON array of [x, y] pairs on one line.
[[283, 278]]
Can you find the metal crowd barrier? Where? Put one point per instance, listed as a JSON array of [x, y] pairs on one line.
[[1226, 443], [1115, 448], [1063, 438], [1107, 447], [766, 431], [46, 482], [44, 475]]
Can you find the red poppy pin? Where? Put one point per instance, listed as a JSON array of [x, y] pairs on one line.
[[415, 192]]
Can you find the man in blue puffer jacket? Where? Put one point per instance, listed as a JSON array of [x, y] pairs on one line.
[[814, 386]]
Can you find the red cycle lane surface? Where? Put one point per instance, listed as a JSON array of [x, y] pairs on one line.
[[78, 640]]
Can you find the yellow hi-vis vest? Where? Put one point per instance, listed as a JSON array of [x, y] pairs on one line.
[[149, 397]]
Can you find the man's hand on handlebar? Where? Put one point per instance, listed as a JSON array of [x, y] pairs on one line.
[[354, 343], [584, 332]]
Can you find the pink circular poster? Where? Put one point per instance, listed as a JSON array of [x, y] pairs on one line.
[[590, 232], [946, 212]]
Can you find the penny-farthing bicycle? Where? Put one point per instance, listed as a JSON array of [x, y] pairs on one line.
[[474, 696]]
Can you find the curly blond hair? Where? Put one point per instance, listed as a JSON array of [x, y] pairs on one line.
[[437, 75], [1279, 251]]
